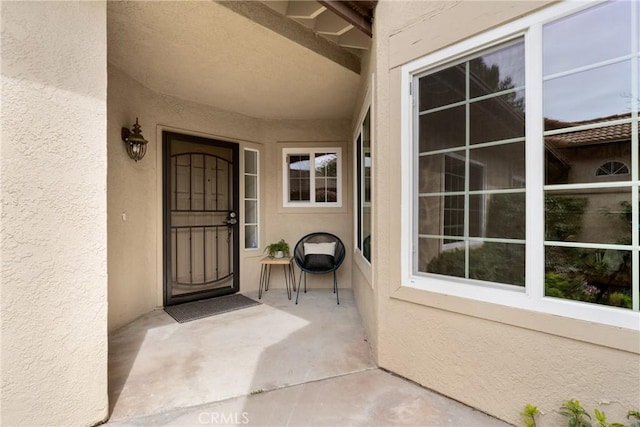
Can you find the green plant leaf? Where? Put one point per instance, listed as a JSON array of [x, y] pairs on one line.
[[529, 414]]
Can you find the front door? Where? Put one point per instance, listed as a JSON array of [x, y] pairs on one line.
[[201, 244]]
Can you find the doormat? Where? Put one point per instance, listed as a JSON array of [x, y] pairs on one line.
[[209, 307]]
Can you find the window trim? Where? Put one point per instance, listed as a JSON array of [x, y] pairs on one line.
[[311, 151], [532, 296]]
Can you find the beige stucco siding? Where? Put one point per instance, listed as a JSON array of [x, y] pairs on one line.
[[135, 189], [53, 233], [491, 357], [362, 276]]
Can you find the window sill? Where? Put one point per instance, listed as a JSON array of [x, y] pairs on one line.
[[590, 332], [311, 209]]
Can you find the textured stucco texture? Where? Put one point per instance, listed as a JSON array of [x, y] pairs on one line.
[[53, 219]]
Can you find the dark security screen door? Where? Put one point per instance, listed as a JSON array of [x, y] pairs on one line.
[[200, 218]]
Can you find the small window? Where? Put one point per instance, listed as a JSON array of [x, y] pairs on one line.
[[612, 168], [312, 177], [363, 188], [251, 199]]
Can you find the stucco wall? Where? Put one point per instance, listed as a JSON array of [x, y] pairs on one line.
[[53, 227], [362, 278], [133, 189], [135, 245], [488, 356]]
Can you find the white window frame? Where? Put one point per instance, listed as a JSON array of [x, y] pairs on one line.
[[256, 199], [311, 152], [532, 296]]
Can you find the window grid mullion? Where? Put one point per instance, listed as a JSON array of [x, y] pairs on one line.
[[586, 127], [635, 197], [587, 67], [312, 177], [468, 100], [467, 169], [534, 155], [415, 148], [474, 146], [361, 189]]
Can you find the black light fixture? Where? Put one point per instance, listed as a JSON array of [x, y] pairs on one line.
[[135, 142]]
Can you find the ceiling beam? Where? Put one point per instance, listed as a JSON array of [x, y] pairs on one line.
[[304, 9], [348, 14], [330, 23], [272, 20], [354, 39]]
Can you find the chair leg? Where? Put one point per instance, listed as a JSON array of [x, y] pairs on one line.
[[300, 284], [335, 286]]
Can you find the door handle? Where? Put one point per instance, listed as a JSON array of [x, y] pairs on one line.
[[231, 219]]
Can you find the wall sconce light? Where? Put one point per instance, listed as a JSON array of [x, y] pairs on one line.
[[135, 142]]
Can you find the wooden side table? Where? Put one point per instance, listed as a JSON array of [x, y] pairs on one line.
[[265, 273]]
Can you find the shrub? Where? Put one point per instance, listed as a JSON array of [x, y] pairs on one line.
[[490, 262], [620, 299], [563, 217], [577, 416]]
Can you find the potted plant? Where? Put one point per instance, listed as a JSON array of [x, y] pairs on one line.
[[278, 250]]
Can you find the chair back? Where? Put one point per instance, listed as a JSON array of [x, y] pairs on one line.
[[319, 237]]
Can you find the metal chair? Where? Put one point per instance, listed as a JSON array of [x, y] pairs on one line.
[[310, 261]]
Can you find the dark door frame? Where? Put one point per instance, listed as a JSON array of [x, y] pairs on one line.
[[167, 137]]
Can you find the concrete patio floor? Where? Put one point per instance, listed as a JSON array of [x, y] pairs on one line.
[[275, 364]]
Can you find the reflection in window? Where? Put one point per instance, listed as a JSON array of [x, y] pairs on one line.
[[443, 88], [471, 205], [441, 129], [487, 118], [572, 157], [597, 34], [299, 183], [567, 104], [454, 205], [497, 70], [612, 168], [587, 70], [588, 121], [326, 177], [363, 181]]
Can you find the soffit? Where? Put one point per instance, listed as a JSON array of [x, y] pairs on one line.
[[207, 53]]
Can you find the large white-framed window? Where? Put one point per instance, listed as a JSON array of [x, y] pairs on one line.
[[312, 177], [363, 160], [251, 199], [540, 103]]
